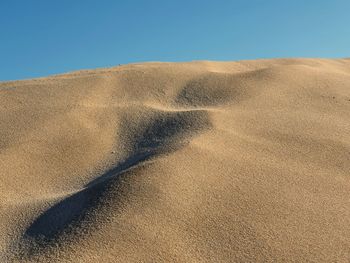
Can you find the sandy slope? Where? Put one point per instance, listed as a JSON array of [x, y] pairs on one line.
[[178, 162]]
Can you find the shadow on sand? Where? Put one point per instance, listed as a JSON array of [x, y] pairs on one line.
[[164, 134]]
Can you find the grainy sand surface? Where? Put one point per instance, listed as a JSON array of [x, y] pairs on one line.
[[178, 162]]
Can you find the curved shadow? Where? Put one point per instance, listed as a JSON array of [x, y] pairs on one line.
[[164, 134]]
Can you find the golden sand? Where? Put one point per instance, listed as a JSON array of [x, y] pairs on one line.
[[178, 162]]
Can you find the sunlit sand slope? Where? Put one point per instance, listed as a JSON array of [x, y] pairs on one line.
[[178, 162]]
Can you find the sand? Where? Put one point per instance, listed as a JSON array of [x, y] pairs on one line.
[[243, 161]]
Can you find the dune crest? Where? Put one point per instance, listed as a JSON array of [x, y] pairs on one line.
[[178, 162]]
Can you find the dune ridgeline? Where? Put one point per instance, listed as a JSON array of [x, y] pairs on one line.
[[178, 162]]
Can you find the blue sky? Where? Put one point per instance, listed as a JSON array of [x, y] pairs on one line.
[[41, 37]]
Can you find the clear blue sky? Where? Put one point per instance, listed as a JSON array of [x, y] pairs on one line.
[[42, 37]]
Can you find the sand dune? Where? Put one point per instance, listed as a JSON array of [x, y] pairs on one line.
[[178, 162]]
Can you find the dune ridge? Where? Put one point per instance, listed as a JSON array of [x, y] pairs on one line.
[[178, 162]]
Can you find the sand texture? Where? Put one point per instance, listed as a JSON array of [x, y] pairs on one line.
[[243, 161]]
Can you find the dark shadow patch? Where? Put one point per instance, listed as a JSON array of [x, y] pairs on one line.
[[211, 89], [163, 134]]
